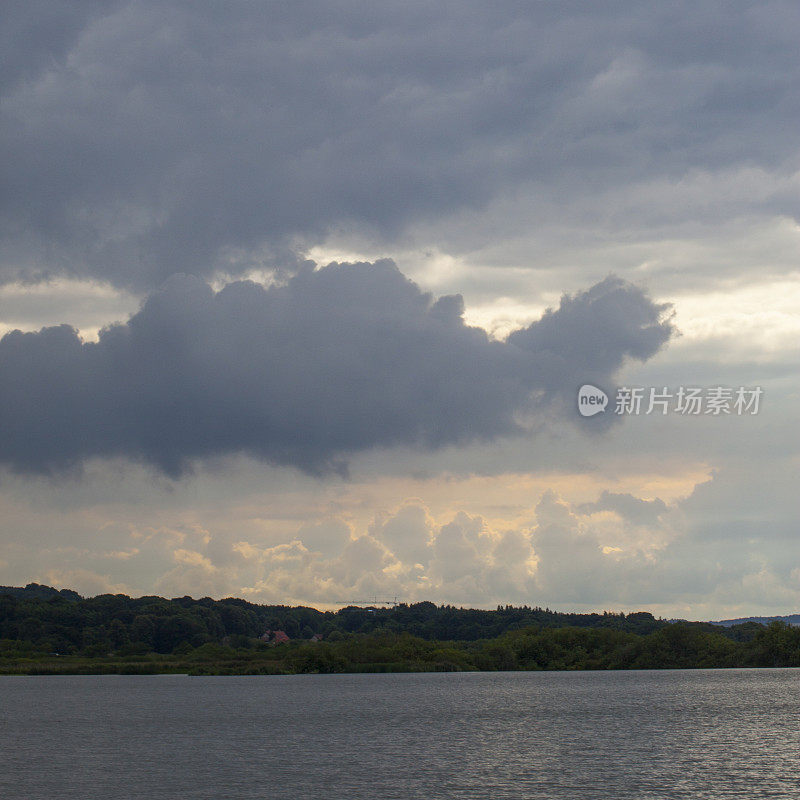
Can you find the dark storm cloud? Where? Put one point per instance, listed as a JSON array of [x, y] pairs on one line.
[[141, 138], [338, 360], [583, 338]]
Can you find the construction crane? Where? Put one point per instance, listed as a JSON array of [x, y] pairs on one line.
[[373, 602]]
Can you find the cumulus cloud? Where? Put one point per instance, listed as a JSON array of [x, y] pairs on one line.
[[85, 581], [618, 551], [408, 533], [564, 553], [572, 566], [336, 361], [460, 561], [559, 558], [144, 137], [630, 508], [327, 537], [584, 561], [460, 550]]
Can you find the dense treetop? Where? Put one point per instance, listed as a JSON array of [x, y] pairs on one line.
[[113, 632]]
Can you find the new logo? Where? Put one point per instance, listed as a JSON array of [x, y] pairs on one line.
[[591, 400]]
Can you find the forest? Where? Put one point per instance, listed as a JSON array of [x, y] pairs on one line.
[[47, 631]]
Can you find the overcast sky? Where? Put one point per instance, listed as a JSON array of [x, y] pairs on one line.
[[296, 300]]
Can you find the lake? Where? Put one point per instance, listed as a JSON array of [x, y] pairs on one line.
[[579, 735]]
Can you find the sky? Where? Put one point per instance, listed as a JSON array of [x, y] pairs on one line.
[[296, 300]]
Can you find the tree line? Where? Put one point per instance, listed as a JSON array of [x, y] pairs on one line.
[[42, 629]]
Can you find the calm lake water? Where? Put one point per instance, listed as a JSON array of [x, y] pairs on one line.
[[583, 735]]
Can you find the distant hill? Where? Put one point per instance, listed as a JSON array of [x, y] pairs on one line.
[[39, 592], [789, 619]]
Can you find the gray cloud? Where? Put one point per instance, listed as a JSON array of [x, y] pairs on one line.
[[583, 339], [339, 360], [408, 533], [327, 537], [630, 508], [140, 139]]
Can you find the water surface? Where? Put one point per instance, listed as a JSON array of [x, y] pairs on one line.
[[713, 734]]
